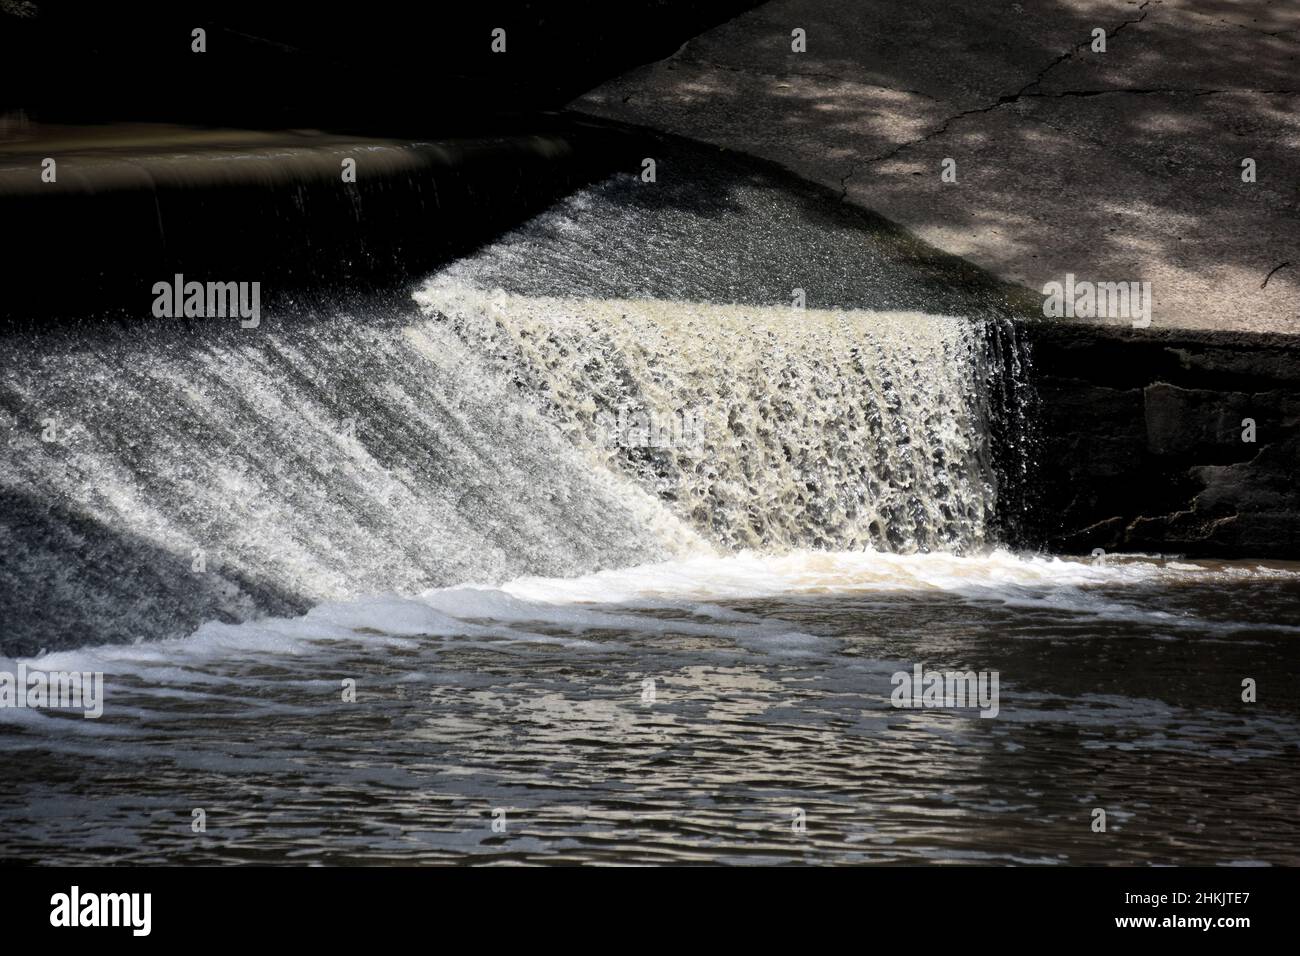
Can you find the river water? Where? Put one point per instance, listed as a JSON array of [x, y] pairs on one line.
[[766, 735], [606, 544]]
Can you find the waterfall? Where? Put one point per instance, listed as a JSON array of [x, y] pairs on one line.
[[807, 429], [157, 477], [622, 379]]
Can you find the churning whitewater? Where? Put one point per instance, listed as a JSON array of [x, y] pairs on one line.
[[235, 476], [834, 430]]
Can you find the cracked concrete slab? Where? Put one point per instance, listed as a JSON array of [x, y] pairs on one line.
[[1123, 165], [1174, 47], [1270, 17], [826, 126], [1060, 203]]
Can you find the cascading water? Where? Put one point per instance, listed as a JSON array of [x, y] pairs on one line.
[[808, 429], [152, 482], [162, 473]]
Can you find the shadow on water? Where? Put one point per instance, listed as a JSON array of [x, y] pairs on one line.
[[69, 579]]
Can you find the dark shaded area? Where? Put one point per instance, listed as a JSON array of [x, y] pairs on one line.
[[280, 215], [135, 204], [275, 211], [1142, 442], [385, 68]]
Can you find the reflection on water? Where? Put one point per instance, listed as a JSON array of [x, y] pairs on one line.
[[1120, 689]]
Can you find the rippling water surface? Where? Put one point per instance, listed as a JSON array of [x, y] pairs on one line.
[[1120, 688]]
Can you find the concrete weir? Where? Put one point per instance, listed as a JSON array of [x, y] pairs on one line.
[[386, 427]]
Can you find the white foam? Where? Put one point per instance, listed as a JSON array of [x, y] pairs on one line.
[[752, 575], [610, 600]]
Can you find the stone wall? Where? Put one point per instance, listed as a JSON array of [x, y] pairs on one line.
[[1140, 444]]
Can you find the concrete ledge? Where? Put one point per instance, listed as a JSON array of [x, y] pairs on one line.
[[143, 203]]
